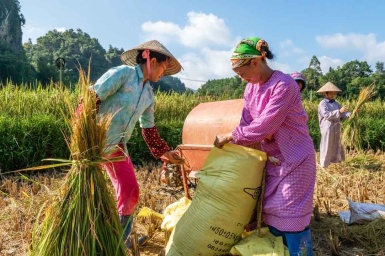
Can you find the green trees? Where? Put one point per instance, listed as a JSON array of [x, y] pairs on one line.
[[79, 49], [76, 47], [13, 63], [230, 87], [170, 84], [350, 78], [313, 74]]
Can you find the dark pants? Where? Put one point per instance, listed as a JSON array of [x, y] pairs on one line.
[[126, 221]]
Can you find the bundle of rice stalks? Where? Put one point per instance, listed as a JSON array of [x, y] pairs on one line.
[[352, 133], [83, 220]]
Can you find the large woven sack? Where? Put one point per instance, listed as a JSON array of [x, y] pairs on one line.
[[228, 188], [260, 244]]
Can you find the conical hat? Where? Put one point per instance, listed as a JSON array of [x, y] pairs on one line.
[[129, 57], [329, 87]]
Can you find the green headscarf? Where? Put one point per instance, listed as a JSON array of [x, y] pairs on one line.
[[247, 48]]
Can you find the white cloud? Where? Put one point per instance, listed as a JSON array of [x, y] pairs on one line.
[[205, 65], [289, 49], [199, 61], [327, 62], [372, 50], [162, 31], [32, 32], [284, 67], [198, 37], [62, 29], [201, 30]]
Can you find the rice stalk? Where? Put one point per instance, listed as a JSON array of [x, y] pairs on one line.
[[352, 136], [83, 219]]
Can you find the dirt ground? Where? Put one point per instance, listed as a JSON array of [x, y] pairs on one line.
[[360, 178]]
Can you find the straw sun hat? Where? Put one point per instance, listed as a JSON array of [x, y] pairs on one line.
[[129, 57], [328, 87]]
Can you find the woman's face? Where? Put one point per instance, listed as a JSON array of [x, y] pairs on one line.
[[250, 72], [300, 84], [157, 69], [330, 95]]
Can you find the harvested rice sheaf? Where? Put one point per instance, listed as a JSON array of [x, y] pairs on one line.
[[353, 127], [83, 220]]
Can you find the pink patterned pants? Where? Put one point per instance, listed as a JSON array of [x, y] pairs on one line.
[[122, 176]]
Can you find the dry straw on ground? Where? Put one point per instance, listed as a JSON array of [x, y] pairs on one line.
[[361, 178]]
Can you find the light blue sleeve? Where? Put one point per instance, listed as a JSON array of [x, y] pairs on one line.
[[147, 119], [112, 80]]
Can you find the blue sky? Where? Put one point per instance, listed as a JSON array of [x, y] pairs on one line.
[[202, 33]]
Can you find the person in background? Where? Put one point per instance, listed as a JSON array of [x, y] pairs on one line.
[[300, 79], [126, 93], [330, 114], [273, 116]]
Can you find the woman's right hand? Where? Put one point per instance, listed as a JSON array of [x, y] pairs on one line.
[[173, 157], [222, 139], [344, 109]]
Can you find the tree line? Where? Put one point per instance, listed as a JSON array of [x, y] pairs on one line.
[[31, 63], [350, 78]]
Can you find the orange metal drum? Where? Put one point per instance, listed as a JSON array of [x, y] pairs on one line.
[[201, 126]]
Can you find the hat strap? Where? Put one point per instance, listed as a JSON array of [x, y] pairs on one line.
[[146, 55]]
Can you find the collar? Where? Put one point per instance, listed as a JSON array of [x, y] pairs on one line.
[[139, 72], [330, 100]]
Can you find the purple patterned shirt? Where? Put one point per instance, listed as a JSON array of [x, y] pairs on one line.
[[275, 108]]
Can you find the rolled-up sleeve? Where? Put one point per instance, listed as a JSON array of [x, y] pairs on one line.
[[147, 119]]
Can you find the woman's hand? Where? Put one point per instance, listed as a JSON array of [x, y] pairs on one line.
[[344, 109], [173, 157], [222, 139]]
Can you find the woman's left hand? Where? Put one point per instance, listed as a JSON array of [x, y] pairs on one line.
[[222, 139]]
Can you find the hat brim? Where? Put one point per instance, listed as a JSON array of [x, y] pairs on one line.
[[330, 90], [329, 87], [129, 57]]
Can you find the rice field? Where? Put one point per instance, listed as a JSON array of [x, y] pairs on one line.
[[360, 178]]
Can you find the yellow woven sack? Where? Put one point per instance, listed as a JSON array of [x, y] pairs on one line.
[[265, 244], [229, 185]]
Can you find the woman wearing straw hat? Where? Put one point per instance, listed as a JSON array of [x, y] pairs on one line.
[[300, 79], [126, 93], [273, 115], [330, 113]]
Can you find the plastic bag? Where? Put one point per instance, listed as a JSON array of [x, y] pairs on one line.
[[362, 212]]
